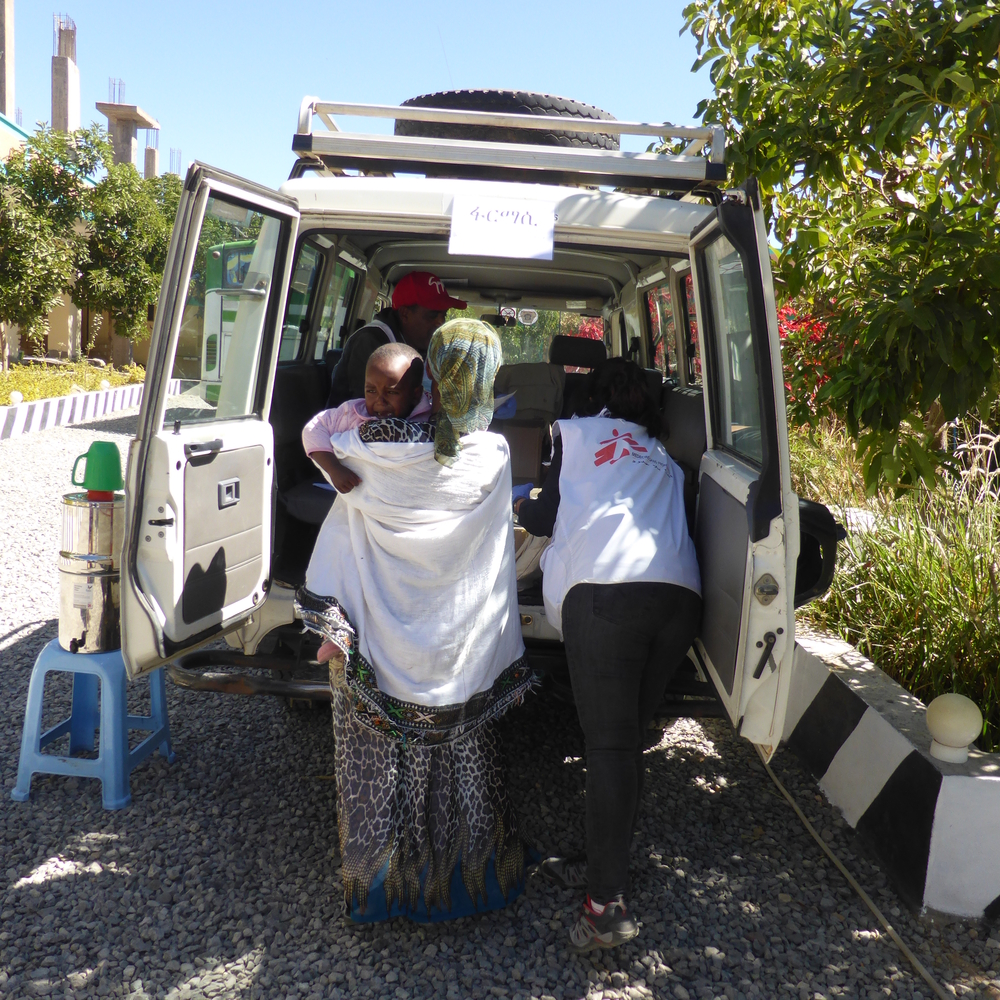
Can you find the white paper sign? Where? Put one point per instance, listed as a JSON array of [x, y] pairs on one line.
[[502, 227]]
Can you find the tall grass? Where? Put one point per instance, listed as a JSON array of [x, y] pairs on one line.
[[36, 381], [917, 588]]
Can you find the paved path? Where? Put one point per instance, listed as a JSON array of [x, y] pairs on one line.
[[221, 878]]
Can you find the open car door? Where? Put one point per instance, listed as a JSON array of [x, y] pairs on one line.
[[747, 518], [197, 552]]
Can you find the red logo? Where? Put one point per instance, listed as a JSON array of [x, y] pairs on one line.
[[617, 447]]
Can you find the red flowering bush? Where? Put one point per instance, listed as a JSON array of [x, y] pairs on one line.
[[809, 356]]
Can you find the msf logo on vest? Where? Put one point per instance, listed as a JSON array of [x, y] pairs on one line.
[[617, 447]]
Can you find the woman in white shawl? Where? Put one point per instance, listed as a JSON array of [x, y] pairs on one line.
[[412, 585]]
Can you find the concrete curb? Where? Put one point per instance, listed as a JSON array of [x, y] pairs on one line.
[[75, 408], [932, 824]]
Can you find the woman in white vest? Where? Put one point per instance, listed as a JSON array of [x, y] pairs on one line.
[[621, 582]]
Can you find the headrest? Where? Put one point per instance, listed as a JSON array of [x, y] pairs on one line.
[[684, 413], [577, 352], [538, 387]]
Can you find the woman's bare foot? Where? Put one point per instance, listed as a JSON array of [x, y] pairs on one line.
[[332, 654]]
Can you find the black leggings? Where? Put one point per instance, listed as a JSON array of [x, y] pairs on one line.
[[623, 643]]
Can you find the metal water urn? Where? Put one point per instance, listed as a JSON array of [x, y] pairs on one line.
[[93, 528]]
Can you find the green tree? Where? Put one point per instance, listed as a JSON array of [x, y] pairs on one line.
[[105, 241], [42, 200], [36, 265], [872, 127], [127, 241]]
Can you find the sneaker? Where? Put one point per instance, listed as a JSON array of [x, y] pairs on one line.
[[567, 873], [609, 929]]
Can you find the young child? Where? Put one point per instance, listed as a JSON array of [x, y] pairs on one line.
[[393, 388]]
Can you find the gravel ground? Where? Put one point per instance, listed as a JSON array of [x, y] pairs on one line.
[[221, 878]]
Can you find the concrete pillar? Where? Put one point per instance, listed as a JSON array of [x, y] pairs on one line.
[[152, 164], [123, 139], [65, 79], [65, 327], [7, 57], [123, 122], [121, 351]]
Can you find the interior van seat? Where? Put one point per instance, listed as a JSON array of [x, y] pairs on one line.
[[685, 438], [576, 352], [538, 389], [300, 392]]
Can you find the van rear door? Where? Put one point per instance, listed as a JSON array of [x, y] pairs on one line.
[[197, 553], [747, 519]]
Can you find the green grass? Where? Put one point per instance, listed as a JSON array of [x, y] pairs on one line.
[[918, 591], [36, 381]]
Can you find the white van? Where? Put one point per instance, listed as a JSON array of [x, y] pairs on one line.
[[649, 250]]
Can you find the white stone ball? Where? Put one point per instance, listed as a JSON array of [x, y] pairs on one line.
[[954, 720], [15, 397]]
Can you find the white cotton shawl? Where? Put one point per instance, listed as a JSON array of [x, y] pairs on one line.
[[421, 556]]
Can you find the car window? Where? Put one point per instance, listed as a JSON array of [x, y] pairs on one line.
[[304, 278], [237, 263], [336, 306], [662, 332], [690, 335], [738, 401], [223, 320], [530, 332]]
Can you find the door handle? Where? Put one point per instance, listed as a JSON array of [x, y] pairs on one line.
[[203, 448], [769, 640], [229, 493]]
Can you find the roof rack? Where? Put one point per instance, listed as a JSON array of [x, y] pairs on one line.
[[379, 154]]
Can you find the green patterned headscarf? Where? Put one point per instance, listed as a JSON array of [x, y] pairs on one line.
[[463, 358]]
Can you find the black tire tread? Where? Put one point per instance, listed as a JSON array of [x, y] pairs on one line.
[[509, 102]]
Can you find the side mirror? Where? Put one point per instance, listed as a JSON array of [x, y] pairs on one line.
[[819, 533]]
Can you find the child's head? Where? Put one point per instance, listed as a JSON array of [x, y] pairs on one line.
[[393, 381]]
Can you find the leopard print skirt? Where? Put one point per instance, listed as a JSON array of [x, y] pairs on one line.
[[425, 824]]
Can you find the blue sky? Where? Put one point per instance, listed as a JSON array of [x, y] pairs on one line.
[[225, 79]]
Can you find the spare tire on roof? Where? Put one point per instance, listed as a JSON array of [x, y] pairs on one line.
[[508, 102]]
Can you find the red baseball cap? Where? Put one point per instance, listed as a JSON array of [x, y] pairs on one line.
[[421, 288]]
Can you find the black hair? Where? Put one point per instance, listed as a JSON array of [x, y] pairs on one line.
[[622, 388], [388, 353]]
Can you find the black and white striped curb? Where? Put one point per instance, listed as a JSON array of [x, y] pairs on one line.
[[61, 411], [933, 825]]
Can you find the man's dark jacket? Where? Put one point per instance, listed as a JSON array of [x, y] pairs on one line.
[[348, 380]]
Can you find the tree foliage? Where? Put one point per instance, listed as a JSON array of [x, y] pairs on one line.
[[36, 264], [42, 199], [71, 220], [872, 127], [127, 242]]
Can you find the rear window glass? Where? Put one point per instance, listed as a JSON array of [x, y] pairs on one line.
[[339, 293], [304, 277], [527, 333], [693, 341], [661, 329], [664, 337]]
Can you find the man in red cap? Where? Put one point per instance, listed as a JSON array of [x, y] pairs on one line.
[[420, 303]]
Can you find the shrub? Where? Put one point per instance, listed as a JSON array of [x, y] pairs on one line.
[[916, 588], [809, 355], [35, 381]]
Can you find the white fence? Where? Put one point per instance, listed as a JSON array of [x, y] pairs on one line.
[[76, 408]]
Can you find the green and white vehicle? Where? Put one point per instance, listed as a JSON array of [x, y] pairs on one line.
[[226, 269]]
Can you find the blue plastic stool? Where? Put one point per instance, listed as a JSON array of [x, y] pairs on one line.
[[115, 761]]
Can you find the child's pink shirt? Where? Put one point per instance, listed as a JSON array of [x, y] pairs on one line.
[[347, 416]]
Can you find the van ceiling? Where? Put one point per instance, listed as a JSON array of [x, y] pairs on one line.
[[574, 273]]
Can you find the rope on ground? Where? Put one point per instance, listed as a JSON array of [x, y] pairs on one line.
[[889, 929]]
